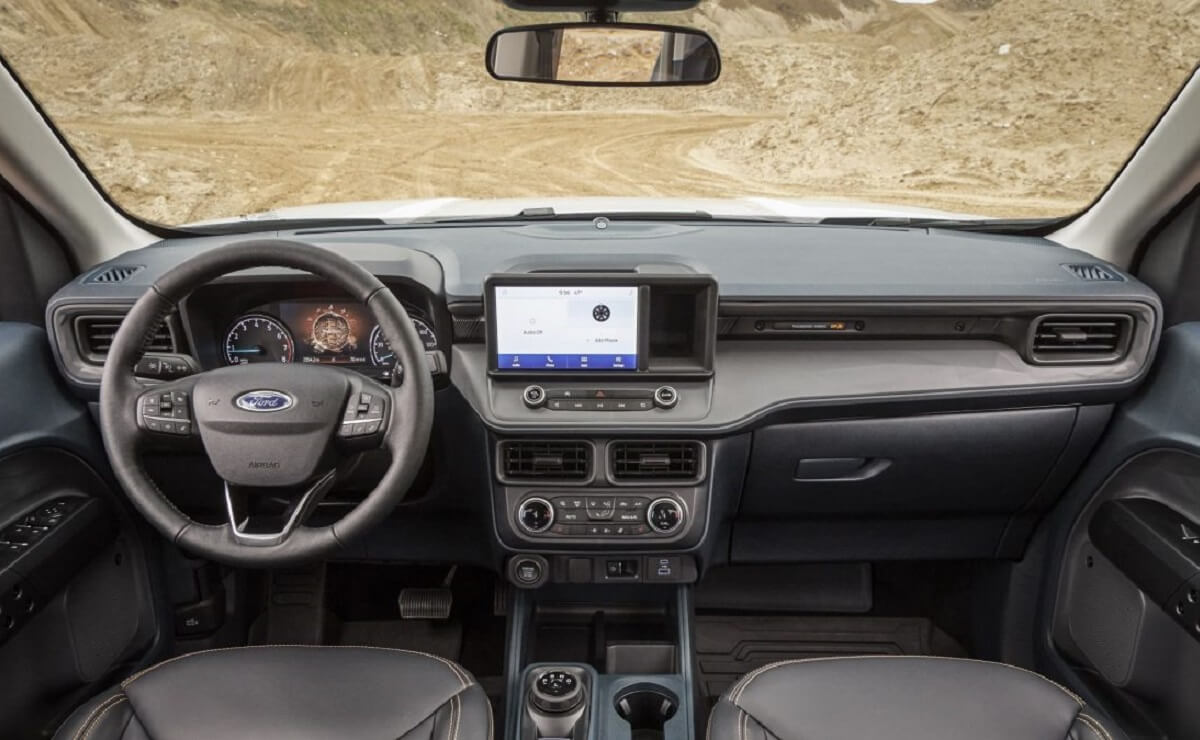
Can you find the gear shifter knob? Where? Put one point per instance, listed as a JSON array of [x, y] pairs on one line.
[[556, 692]]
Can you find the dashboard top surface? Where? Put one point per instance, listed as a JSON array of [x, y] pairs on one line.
[[748, 261]]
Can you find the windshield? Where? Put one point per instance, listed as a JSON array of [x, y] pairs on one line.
[[216, 109]]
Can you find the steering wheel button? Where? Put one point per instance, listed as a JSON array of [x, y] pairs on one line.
[[376, 408], [371, 428], [364, 398], [346, 430]]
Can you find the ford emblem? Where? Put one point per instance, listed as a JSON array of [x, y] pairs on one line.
[[264, 401]]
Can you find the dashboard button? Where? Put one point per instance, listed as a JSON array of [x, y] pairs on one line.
[[665, 396], [665, 515], [535, 515], [534, 396]]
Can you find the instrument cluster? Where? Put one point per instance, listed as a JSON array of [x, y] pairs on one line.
[[317, 332]]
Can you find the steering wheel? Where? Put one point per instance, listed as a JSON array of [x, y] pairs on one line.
[[268, 429]]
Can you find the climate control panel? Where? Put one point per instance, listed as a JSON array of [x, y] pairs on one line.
[[600, 515]]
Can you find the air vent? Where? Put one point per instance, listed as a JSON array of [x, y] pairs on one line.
[[556, 460], [655, 460], [1094, 273], [1080, 339], [469, 329], [115, 274], [95, 335]]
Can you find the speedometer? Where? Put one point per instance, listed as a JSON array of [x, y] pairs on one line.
[[381, 349], [258, 338]]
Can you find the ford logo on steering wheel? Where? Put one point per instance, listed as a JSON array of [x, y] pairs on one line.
[[264, 401]]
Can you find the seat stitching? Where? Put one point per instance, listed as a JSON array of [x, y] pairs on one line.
[[437, 711], [454, 669], [100, 717], [1096, 726], [742, 724], [491, 720], [98, 708], [735, 694], [455, 715]]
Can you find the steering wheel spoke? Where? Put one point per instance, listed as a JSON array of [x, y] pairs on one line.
[[294, 515], [365, 417], [165, 414]]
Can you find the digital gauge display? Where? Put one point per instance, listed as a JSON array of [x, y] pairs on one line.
[[316, 332]]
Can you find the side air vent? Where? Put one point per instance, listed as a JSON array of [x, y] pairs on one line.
[[95, 335], [1094, 273], [1080, 339], [550, 460], [630, 460], [115, 274]]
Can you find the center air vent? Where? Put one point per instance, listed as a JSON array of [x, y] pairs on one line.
[[1080, 339], [95, 335], [556, 460], [630, 460]]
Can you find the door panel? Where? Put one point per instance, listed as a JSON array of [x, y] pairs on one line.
[[75, 602], [1126, 604]]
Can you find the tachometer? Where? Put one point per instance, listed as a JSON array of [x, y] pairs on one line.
[[381, 350], [258, 338]]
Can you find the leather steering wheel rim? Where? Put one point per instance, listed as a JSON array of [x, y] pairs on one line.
[[411, 406]]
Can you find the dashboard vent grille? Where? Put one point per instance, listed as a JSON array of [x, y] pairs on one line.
[[1094, 273], [95, 334], [1080, 339], [569, 460], [115, 274], [469, 329], [655, 460]]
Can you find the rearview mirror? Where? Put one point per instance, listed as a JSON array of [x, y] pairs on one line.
[[604, 54]]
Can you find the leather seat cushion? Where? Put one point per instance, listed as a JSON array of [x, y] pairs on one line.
[[901, 698], [293, 692]]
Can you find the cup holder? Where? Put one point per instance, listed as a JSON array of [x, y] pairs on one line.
[[646, 707]]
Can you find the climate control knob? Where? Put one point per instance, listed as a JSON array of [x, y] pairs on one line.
[[535, 515], [664, 515]]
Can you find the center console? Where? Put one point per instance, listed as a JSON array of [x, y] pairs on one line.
[[588, 670], [592, 349]]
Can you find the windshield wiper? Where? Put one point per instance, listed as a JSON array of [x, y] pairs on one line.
[[549, 214], [276, 224], [1010, 225]]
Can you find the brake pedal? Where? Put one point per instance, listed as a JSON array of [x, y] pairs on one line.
[[426, 603]]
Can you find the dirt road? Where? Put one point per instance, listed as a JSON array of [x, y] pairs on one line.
[[253, 163]]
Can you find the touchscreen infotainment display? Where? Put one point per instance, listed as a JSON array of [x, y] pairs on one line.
[[566, 328]]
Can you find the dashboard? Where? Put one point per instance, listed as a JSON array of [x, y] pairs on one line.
[[812, 393]]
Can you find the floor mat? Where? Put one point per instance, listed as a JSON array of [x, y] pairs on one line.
[[443, 639], [728, 647]]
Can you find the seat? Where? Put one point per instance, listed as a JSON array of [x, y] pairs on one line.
[[293, 692], [901, 698]]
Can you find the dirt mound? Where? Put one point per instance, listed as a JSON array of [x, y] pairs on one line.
[[1030, 99]]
